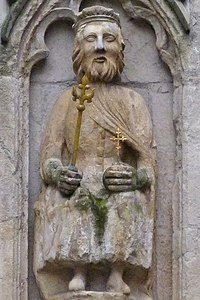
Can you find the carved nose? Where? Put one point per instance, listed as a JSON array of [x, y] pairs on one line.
[[100, 47]]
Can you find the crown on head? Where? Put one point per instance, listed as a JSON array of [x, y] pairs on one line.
[[96, 13]]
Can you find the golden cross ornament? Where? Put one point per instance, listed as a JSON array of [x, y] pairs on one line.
[[82, 93], [118, 138]]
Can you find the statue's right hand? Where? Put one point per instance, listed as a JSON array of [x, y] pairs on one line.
[[68, 180]]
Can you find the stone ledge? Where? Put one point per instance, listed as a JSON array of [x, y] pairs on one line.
[[89, 296]]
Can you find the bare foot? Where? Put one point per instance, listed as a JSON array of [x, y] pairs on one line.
[[115, 282], [78, 281]]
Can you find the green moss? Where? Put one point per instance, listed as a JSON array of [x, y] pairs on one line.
[[84, 204], [100, 212], [99, 209], [143, 180]]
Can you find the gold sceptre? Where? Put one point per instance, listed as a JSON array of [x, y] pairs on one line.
[[118, 138], [85, 94]]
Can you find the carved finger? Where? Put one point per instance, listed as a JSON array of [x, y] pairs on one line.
[[66, 192], [122, 168], [119, 188], [70, 180], [118, 174], [118, 181], [75, 175], [66, 172], [66, 186]]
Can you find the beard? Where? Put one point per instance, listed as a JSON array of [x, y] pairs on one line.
[[106, 71]]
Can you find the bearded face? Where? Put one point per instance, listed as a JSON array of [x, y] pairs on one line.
[[98, 52]]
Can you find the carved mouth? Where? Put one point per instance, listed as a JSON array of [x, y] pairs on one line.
[[100, 59]]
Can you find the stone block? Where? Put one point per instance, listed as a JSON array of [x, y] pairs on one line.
[[89, 296], [8, 265], [8, 143]]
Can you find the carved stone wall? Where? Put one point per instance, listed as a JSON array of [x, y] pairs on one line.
[[3, 12], [144, 72], [191, 161], [175, 113], [48, 81]]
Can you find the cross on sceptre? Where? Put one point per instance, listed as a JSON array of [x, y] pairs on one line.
[[82, 94], [118, 138]]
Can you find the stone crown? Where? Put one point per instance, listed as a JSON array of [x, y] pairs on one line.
[[96, 13]]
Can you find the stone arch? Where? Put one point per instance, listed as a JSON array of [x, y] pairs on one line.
[[28, 40], [165, 29]]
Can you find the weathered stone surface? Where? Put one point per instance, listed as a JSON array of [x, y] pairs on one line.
[[8, 250], [160, 92], [11, 219], [186, 263], [182, 12], [106, 215], [3, 12], [90, 295], [75, 222], [190, 203], [8, 132]]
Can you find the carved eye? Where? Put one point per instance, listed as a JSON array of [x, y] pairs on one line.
[[91, 38], [109, 38]]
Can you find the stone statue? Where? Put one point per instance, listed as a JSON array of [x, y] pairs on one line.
[[98, 215]]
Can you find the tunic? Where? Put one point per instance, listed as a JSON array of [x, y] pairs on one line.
[[68, 231]]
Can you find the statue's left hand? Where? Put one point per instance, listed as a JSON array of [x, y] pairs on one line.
[[68, 180], [120, 178]]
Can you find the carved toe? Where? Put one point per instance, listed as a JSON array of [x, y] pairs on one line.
[[125, 289], [77, 284], [117, 286]]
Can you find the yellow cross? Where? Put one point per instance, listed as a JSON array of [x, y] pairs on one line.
[[118, 138]]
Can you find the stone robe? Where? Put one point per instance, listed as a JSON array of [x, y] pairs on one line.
[[65, 232]]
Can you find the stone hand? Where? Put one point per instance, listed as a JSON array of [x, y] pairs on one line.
[[120, 178], [68, 180]]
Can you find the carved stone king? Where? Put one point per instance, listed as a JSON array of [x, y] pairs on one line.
[[95, 220]]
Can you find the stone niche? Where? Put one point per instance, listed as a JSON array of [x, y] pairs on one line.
[[146, 73], [49, 79], [38, 57]]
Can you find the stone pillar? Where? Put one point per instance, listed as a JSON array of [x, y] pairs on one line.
[[13, 249], [191, 162]]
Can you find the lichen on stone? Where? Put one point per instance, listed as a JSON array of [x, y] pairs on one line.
[[98, 208], [100, 212]]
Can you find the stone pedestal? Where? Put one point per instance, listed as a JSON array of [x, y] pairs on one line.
[[89, 296]]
